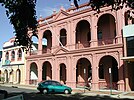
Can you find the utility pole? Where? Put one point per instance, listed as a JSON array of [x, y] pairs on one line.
[[85, 79], [110, 75]]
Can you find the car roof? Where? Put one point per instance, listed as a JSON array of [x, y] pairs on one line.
[[50, 81]]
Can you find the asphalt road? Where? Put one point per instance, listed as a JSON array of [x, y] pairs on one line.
[[29, 94], [17, 90]]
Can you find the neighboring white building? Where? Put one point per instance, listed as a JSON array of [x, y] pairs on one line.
[[0, 63], [13, 63], [0, 58], [128, 34]]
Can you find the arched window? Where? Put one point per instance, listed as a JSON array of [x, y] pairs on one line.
[[106, 29], [7, 56], [19, 54], [12, 55], [63, 37]]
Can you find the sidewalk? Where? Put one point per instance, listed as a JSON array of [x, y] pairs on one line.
[[115, 93]]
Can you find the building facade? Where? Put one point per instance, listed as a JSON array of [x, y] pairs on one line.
[[80, 44], [13, 63], [128, 34]]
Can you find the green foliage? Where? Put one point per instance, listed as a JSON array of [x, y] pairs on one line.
[[116, 4], [2, 79], [76, 3], [22, 15]]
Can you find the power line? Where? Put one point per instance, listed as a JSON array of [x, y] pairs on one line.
[[54, 34]]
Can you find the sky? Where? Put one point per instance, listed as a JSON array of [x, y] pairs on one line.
[[44, 8]]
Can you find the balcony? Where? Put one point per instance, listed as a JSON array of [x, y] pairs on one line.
[[82, 45], [79, 45], [107, 41], [34, 52], [46, 50]]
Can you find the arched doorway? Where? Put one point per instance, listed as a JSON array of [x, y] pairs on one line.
[[105, 63], [83, 72], [6, 76], [63, 73], [18, 75], [33, 73], [47, 71]]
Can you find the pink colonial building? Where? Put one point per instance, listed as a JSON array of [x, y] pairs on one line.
[[80, 44]]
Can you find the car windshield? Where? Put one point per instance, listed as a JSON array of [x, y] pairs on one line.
[[47, 83]]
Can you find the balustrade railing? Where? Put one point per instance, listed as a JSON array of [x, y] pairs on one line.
[[107, 41], [80, 45], [34, 52], [46, 50]]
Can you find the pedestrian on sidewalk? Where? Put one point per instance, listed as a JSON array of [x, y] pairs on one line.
[[89, 83]]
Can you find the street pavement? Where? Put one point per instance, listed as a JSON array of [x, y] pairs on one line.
[[113, 94]]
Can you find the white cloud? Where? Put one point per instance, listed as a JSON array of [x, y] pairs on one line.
[[47, 11]]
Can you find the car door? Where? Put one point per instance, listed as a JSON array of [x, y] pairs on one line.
[[58, 87]]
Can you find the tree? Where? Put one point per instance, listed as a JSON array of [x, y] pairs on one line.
[[116, 4], [76, 3], [22, 15]]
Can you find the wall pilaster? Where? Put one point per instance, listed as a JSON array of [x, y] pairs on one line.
[[73, 35], [55, 38], [121, 85], [95, 75], [94, 39], [27, 72], [71, 81], [39, 71], [119, 26], [40, 42]]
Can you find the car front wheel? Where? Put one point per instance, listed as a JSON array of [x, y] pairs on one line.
[[66, 92], [45, 91]]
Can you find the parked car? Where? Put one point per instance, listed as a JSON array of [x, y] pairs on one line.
[[51, 86]]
